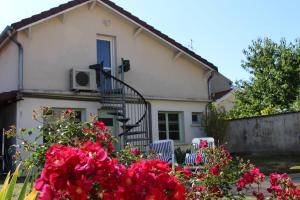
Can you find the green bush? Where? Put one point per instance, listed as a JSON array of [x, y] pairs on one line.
[[215, 124]]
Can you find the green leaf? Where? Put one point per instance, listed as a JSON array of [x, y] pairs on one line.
[[24, 187], [295, 167], [4, 187], [12, 184]]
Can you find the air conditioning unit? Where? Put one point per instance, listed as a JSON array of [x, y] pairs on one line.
[[83, 79]]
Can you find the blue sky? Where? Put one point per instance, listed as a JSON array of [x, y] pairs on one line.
[[220, 29]]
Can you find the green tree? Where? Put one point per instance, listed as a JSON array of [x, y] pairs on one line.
[[275, 81]]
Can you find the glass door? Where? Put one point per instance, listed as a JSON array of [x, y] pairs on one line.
[[105, 55]]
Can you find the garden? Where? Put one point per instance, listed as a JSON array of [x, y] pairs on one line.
[[77, 160]]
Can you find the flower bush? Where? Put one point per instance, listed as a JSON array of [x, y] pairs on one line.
[[78, 161], [88, 173]]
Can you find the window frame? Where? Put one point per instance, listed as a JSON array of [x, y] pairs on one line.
[[167, 131], [197, 123]]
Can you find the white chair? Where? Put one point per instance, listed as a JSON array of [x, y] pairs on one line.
[[191, 158], [165, 151]]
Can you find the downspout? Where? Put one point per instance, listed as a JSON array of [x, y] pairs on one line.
[[20, 57], [209, 90]]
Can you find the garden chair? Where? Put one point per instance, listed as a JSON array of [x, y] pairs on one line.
[[164, 149], [190, 159]]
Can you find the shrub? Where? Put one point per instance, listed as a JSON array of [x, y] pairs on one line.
[[65, 130], [215, 123]]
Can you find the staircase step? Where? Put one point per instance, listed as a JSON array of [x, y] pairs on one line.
[[132, 133], [111, 108], [129, 126], [117, 113], [113, 91], [111, 102], [137, 139], [123, 120]]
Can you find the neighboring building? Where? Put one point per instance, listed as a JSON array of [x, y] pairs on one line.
[[225, 99], [222, 92], [46, 60], [219, 83]]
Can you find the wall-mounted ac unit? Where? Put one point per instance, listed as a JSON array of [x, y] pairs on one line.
[[83, 79]]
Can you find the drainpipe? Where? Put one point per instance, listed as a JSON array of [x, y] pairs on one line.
[[209, 90], [20, 57]]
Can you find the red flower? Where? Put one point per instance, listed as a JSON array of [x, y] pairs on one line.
[[259, 195], [46, 194], [199, 158], [215, 170], [186, 172], [135, 151], [100, 125], [203, 144], [200, 188], [274, 178], [241, 184]]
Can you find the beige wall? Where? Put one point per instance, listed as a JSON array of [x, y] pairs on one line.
[[9, 68], [189, 131], [54, 47]]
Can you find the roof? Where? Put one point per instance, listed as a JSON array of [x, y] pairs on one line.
[[63, 7], [9, 97], [219, 95]]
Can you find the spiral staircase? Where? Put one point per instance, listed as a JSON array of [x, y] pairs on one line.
[[127, 105]]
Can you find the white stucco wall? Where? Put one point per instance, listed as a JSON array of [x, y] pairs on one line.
[[25, 108], [9, 67], [54, 47], [186, 108]]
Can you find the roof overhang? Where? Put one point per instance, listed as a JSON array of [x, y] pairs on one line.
[[9, 97]]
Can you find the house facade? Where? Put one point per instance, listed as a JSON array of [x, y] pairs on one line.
[[96, 58]]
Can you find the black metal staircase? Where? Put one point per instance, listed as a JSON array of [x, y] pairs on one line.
[[127, 105]]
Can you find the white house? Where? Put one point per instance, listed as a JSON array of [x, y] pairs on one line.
[[150, 87]]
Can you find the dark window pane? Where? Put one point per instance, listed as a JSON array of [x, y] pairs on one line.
[[103, 53], [173, 117], [162, 127], [107, 121], [162, 135], [161, 117], [195, 118], [174, 135], [174, 127], [78, 116]]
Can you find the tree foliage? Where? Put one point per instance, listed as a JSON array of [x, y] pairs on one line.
[[275, 81]]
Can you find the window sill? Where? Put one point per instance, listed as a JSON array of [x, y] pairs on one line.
[[196, 125]]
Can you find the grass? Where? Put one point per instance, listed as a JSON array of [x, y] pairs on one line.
[[276, 163], [17, 189]]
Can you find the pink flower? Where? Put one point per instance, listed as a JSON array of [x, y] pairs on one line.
[[259, 195], [241, 184], [135, 151], [100, 125], [199, 158], [274, 178], [46, 194], [203, 144], [215, 170]]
